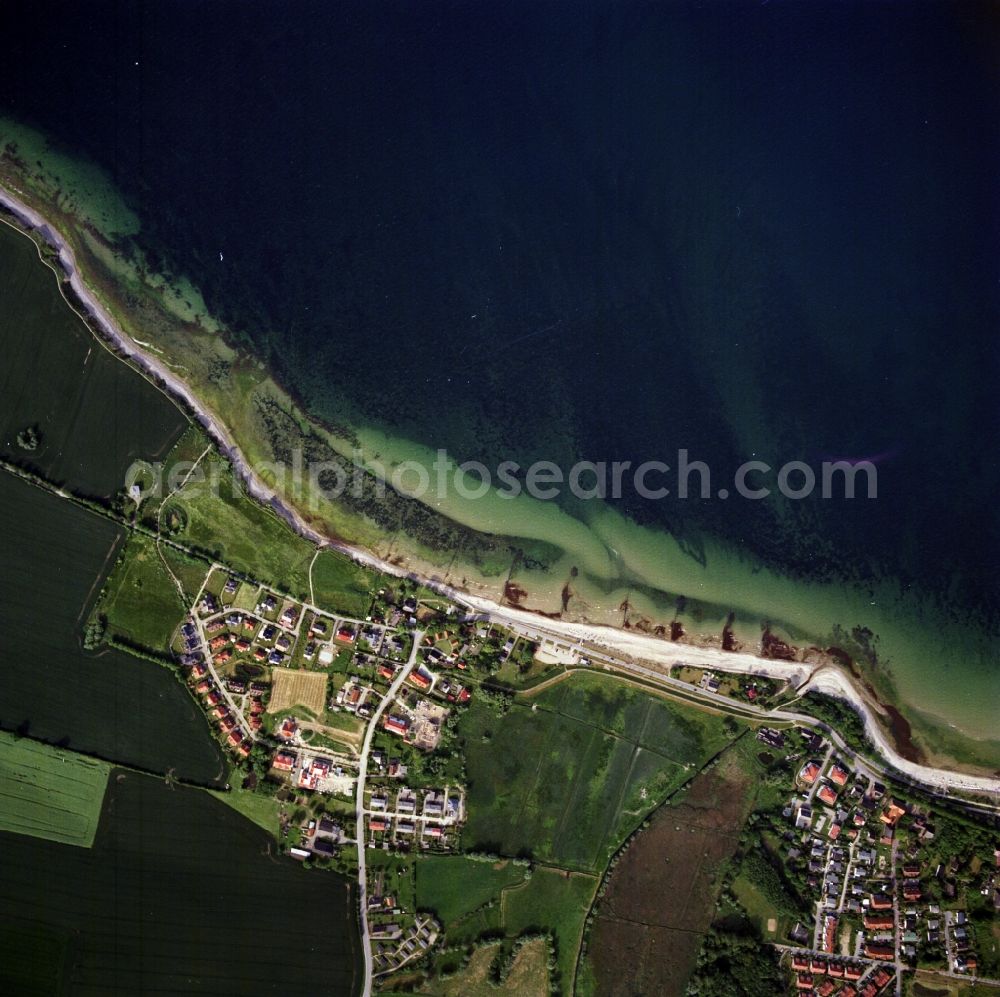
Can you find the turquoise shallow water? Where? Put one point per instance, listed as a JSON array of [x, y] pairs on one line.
[[611, 233]]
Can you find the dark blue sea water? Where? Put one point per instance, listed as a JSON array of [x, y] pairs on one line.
[[598, 229]]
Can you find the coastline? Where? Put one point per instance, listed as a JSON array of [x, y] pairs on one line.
[[588, 565], [825, 679]]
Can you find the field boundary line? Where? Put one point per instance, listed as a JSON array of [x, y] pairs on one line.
[[609, 731], [582, 758], [89, 604], [534, 778]]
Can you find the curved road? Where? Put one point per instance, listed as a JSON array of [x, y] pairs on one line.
[[622, 642]]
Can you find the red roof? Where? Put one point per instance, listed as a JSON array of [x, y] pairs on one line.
[[283, 760], [873, 950], [395, 724]]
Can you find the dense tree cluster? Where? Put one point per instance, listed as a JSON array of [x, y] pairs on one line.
[[736, 965]]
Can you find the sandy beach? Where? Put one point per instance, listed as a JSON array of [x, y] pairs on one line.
[[827, 680]]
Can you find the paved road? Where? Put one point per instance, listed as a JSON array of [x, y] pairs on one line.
[[817, 782], [359, 808], [642, 646], [877, 770], [226, 695]]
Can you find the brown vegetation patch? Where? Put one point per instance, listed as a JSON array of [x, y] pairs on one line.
[[661, 895], [772, 646], [528, 977], [514, 593], [297, 688]]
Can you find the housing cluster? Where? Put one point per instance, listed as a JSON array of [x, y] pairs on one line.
[[894, 885]]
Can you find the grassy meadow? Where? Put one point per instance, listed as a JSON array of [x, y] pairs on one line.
[[454, 886], [340, 585], [567, 774], [223, 521], [141, 600], [500, 900], [49, 793]]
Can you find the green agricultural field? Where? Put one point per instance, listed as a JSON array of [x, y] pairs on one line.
[[222, 520], [185, 883], [32, 958], [50, 793], [454, 886], [341, 586], [141, 601], [567, 774], [106, 703], [94, 413]]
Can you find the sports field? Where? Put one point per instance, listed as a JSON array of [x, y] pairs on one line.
[[50, 793], [297, 688]]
